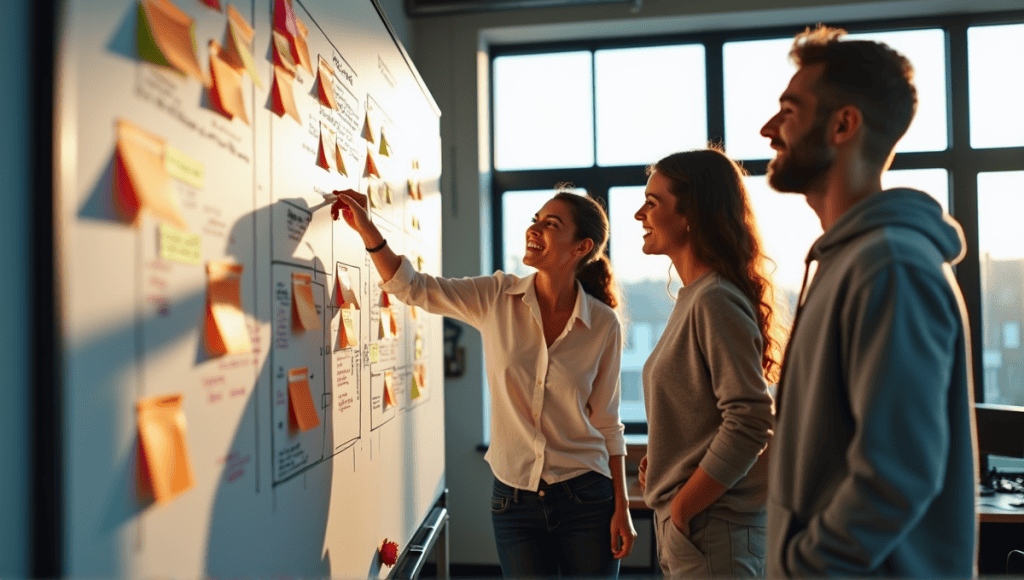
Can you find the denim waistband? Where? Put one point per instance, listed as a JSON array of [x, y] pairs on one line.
[[567, 487]]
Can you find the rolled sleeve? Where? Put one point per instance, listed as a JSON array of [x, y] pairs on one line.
[[605, 397]]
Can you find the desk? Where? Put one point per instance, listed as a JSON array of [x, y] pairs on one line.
[[999, 508]]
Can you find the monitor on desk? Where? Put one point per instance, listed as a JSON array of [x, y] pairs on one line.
[[1000, 429]]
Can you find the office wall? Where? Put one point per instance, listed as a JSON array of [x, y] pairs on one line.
[[14, 324], [452, 58]]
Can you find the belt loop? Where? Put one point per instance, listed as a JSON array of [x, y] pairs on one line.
[[568, 487], [515, 495]]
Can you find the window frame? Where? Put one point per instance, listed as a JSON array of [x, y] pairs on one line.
[[962, 162]]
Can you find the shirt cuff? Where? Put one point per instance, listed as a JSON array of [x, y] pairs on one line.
[[402, 279], [615, 444], [720, 470]]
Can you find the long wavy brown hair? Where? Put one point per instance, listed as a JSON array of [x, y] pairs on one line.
[[709, 191]]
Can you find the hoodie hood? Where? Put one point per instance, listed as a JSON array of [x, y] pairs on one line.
[[902, 207]]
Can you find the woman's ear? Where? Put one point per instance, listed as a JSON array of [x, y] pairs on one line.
[[583, 248]]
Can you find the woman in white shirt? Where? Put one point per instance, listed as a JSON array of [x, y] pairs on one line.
[[553, 344]]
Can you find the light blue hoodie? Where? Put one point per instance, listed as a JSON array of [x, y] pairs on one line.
[[873, 469]]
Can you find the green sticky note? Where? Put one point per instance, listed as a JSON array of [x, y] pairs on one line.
[[180, 246], [374, 353], [146, 40], [183, 168]]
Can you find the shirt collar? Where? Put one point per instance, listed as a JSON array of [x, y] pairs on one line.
[[525, 287]]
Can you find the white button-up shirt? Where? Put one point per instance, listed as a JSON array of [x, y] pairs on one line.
[[554, 410]]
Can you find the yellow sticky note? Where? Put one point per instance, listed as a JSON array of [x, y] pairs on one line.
[[367, 129], [374, 352], [303, 412], [341, 162], [348, 337], [183, 168], [304, 316], [418, 348], [385, 148], [166, 468], [226, 332], [141, 179], [180, 246]]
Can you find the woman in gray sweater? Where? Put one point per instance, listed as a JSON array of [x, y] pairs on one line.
[[709, 411]]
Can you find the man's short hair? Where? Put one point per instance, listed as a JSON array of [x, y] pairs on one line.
[[866, 74]]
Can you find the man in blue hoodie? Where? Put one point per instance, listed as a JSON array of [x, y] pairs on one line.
[[873, 466]]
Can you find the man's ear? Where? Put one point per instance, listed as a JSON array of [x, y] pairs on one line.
[[847, 123]]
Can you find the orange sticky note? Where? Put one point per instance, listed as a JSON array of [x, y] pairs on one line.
[[304, 316], [283, 53], [283, 99], [166, 469], [141, 179], [367, 129], [347, 336], [300, 50], [238, 53], [389, 393], [166, 36], [303, 412], [325, 85], [226, 332], [326, 154], [226, 90], [344, 295], [371, 165]]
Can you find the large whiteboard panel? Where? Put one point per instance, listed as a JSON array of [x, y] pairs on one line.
[[270, 498]]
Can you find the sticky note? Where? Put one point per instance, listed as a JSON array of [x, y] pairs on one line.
[[303, 412], [344, 295], [414, 312], [283, 53], [180, 246], [215, 4], [166, 36], [283, 98], [341, 161], [371, 165], [371, 195], [304, 316], [418, 348], [419, 263], [326, 154], [367, 129], [347, 336], [388, 326], [226, 332], [325, 86], [166, 470], [141, 179], [374, 352], [418, 385], [226, 90], [389, 390], [239, 49], [183, 168], [293, 32], [385, 300], [385, 148]]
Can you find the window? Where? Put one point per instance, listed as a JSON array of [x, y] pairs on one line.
[[646, 98]]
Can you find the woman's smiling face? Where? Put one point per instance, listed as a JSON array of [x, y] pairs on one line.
[[550, 239], [664, 228]]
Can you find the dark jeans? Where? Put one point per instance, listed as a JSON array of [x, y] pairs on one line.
[[560, 529]]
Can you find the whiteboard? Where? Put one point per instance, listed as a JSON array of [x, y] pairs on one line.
[[270, 495]]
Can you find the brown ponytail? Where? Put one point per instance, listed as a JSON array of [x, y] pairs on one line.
[[591, 221]]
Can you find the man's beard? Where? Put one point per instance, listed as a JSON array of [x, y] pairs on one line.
[[799, 167]]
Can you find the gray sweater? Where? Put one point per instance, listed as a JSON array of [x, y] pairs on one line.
[[707, 401], [873, 467]]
